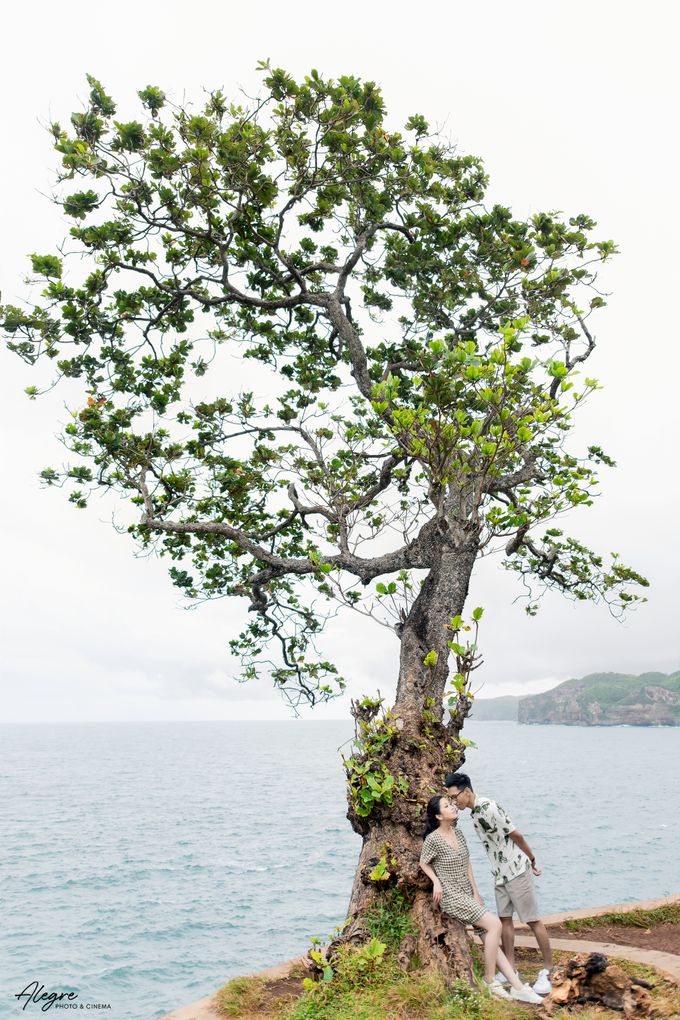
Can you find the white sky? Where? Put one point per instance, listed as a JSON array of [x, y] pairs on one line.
[[573, 106]]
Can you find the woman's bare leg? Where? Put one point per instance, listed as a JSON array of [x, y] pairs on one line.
[[507, 970], [493, 954], [492, 943]]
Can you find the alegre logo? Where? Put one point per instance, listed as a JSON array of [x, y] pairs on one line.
[[35, 993]]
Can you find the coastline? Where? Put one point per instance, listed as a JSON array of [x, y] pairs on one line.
[[203, 1009]]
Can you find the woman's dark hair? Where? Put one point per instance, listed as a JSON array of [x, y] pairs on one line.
[[432, 812]]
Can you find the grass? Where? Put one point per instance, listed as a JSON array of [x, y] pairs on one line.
[[242, 996], [367, 984], [253, 997], [669, 914], [388, 994]]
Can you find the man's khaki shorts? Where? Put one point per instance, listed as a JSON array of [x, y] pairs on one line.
[[519, 894]]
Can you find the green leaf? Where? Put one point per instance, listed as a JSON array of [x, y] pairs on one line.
[[80, 204], [380, 872], [47, 265], [557, 369], [416, 122], [457, 648], [99, 100], [153, 98], [131, 136]]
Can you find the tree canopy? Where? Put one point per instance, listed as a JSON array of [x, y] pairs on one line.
[[417, 358]]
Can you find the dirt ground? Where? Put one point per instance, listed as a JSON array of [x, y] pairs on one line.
[[664, 937], [282, 987]]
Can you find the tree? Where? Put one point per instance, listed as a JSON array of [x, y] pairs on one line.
[[422, 352]]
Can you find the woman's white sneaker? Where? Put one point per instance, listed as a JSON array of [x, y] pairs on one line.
[[542, 984], [525, 994], [496, 988], [501, 978]]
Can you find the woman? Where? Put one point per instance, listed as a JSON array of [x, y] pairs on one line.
[[446, 861]]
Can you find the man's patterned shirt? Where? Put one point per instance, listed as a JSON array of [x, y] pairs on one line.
[[493, 828]]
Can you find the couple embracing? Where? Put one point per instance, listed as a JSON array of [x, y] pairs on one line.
[[446, 861]]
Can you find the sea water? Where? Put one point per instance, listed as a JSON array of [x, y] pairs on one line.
[[144, 864]]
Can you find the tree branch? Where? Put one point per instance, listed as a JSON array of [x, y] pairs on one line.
[[528, 473], [407, 557]]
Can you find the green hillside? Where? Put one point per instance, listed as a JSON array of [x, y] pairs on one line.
[[607, 699]]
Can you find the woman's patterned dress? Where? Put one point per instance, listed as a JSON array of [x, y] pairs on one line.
[[450, 867]]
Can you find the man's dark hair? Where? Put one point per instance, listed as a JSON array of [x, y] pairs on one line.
[[458, 779]]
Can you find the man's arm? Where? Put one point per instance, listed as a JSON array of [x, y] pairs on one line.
[[517, 837]]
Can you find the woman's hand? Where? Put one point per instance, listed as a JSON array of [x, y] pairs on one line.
[[437, 891]]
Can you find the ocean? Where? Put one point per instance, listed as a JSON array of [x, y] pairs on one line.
[[144, 864]]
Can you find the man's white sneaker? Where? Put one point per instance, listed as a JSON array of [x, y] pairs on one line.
[[525, 994], [496, 988], [542, 984]]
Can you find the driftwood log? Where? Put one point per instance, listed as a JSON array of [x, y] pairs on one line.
[[590, 978]]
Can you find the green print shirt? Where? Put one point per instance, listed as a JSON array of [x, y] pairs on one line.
[[493, 828]]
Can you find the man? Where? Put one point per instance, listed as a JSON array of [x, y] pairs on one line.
[[512, 863]]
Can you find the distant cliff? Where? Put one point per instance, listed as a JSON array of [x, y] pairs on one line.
[[607, 699], [601, 699]]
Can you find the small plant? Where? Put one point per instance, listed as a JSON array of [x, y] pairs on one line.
[[467, 659], [381, 872], [369, 784], [463, 1000], [390, 917], [428, 717], [370, 955], [357, 988], [323, 966], [369, 779]]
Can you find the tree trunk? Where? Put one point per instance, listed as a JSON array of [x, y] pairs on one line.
[[414, 742]]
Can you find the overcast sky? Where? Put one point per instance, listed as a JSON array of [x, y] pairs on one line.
[[572, 106]]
